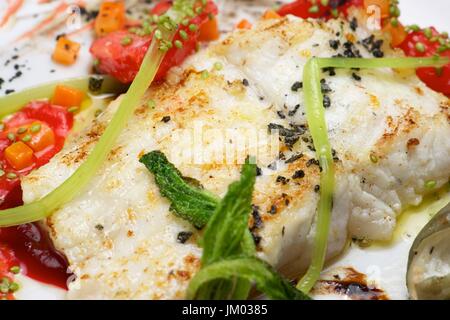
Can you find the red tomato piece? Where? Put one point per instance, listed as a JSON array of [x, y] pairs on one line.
[[123, 62], [417, 44]]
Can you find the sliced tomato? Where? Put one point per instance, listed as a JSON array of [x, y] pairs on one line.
[[436, 79], [123, 62], [304, 8]]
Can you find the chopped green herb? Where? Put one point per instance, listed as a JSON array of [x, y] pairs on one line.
[[73, 109], [183, 35], [27, 138], [205, 74], [313, 9], [431, 184], [11, 136], [15, 269], [178, 44], [187, 201], [21, 130], [11, 175], [151, 104], [218, 66], [420, 47], [126, 41], [35, 128], [251, 269], [373, 158]]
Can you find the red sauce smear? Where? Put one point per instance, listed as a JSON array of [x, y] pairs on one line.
[[29, 246]]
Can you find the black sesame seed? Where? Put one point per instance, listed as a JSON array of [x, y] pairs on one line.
[[356, 77], [324, 86], [257, 239], [326, 102], [296, 86], [258, 171], [334, 44], [257, 221], [95, 84], [282, 180], [183, 236], [298, 174], [281, 114], [273, 209], [245, 82], [353, 24], [310, 162], [378, 53], [294, 158], [316, 188], [165, 119], [292, 112]]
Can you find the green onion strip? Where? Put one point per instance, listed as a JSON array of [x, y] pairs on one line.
[[80, 178], [315, 114]]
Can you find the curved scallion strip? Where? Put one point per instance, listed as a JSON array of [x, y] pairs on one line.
[[80, 178], [97, 84], [251, 269], [372, 63], [315, 115]]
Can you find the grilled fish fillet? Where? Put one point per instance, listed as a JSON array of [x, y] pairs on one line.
[[389, 132]]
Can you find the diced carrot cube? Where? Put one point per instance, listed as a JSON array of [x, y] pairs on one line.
[[67, 96], [41, 139], [66, 51], [398, 33], [270, 14], [111, 17], [244, 24], [19, 155], [209, 31], [382, 5]]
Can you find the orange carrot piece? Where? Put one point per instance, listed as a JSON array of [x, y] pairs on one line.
[[19, 155], [111, 17], [383, 5], [42, 139], [270, 14], [67, 96], [398, 33], [66, 51], [244, 24], [209, 31]]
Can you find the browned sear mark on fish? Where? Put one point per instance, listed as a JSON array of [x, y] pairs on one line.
[[354, 285]]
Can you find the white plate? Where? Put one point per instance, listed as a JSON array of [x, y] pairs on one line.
[[384, 265]]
